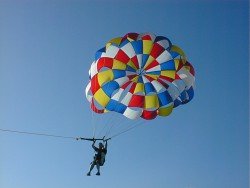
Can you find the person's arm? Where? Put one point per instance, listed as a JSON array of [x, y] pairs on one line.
[[106, 144], [93, 146]]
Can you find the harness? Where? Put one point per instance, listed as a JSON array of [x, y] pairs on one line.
[[100, 157]]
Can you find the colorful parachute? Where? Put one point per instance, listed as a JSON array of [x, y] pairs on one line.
[[140, 75]]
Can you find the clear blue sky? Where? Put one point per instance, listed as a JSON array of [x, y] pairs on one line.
[[46, 48]]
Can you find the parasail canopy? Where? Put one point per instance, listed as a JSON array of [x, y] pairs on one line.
[[140, 75]]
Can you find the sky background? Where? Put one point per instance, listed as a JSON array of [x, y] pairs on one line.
[[46, 48]]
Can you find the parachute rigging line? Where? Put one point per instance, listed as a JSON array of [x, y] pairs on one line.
[[65, 137], [36, 133], [126, 130]]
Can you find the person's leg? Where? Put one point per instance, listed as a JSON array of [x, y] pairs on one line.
[[91, 168], [98, 168]]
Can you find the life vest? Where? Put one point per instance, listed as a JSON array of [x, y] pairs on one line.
[[100, 156], [102, 161]]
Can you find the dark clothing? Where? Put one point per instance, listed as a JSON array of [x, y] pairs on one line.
[[99, 157]]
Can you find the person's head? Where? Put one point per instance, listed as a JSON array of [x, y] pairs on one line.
[[101, 145]]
